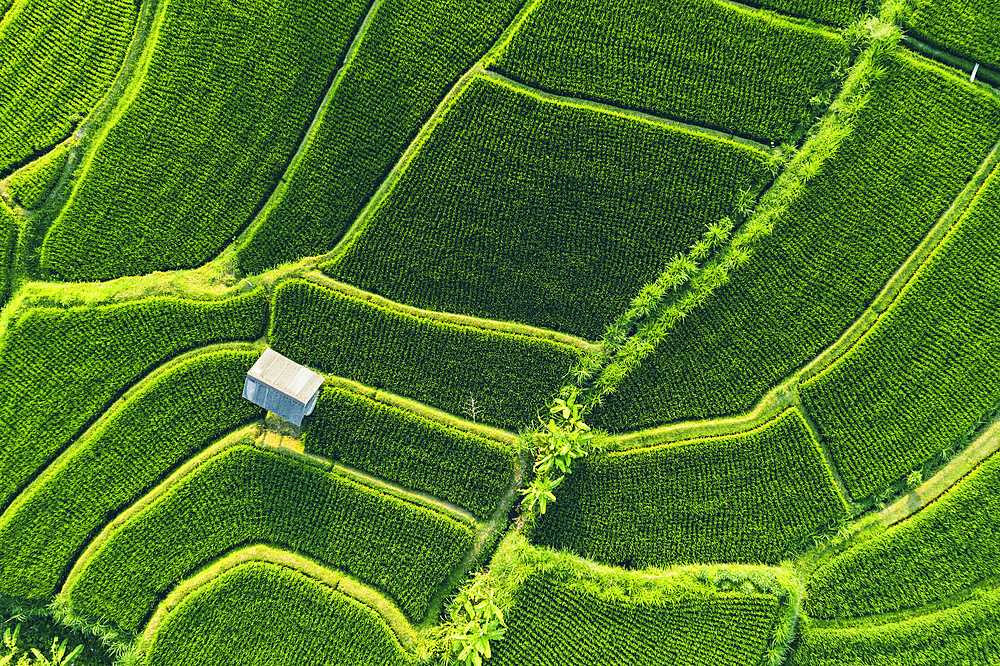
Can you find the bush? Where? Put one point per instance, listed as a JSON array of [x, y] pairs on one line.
[[737, 498], [432, 361], [922, 136], [50, 78], [30, 187], [929, 369], [170, 420], [409, 450], [246, 495], [60, 368], [552, 215], [751, 73], [224, 104], [947, 547], [264, 614], [969, 28], [413, 52]]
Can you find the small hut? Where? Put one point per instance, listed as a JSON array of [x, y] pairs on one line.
[[282, 386]]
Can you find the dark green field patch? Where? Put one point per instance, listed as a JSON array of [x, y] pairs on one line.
[[409, 450], [411, 54], [710, 64], [440, 364], [227, 98], [57, 59], [738, 498], [168, 422], [250, 496], [929, 370], [30, 187], [967, 28], [261, 614], [920, 139], [944, 549], [59, 368], [522, 209]]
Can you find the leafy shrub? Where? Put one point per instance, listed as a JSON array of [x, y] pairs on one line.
[[428, 360], [407, 449], [552, 215], [928, 370], [411, 55], [59, 368], [966, 635], [263, 614], [30, 187], [969, 28], [737, 498], [947, 547], [51, 78], [247, 495], [922, 136], [752, 73], [169, 421], [228, 95]]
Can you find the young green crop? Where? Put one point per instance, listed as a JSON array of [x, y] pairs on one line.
[[59, 58], [944, 549], [921, 137], [409, 450], [835, 12], [435, 362], [264, 614], [524, 209], [929, 369], [60, 368], [411, 55], [228, 95], [10, 228], [966, 635], [968, 28], [246, 495], [30, 187], [751, 73], [736, 498], [160, 427]]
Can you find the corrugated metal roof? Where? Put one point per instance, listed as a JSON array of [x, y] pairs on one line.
[[285, 375]]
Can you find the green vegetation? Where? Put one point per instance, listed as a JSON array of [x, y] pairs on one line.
[[524, 209], [921, 137], [968, 28], [262, 614], [949, 546], [751, 73], [36, 628], [929, 370], [194, 156], [563, 611], [246, 495], [409, 450], [9, 230], [836, 12], [59, 58], [437, 363], [60, 368], [412, 53], [967, 635], [30, 187], [168, 421], [740, 498]]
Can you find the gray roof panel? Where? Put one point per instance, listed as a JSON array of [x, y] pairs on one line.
[[285, 375]]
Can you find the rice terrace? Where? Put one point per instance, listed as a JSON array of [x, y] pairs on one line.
[[503, 332]]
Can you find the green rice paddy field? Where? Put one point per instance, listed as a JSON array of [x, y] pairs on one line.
[[652, 332]]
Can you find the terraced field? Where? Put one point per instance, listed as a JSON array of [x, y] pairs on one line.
[[652, 332]]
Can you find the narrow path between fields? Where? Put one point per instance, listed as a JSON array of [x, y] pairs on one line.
[[945, 57]]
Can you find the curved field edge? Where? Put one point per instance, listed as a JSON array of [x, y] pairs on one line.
[[257, 611], [404, 632]]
